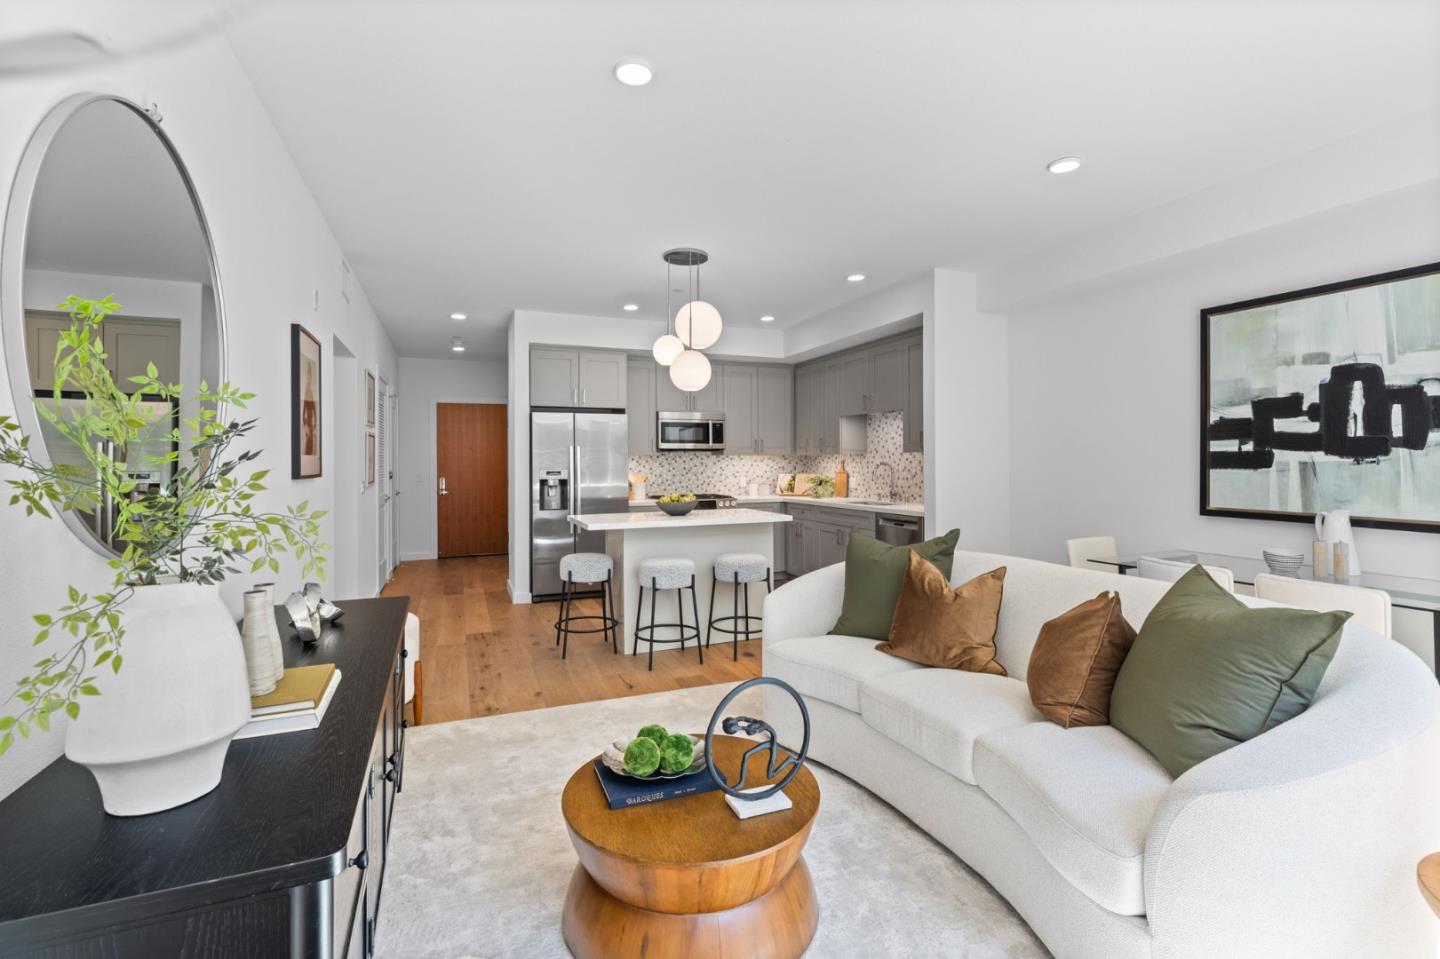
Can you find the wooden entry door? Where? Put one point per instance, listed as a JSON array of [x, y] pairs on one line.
[[470, 460]]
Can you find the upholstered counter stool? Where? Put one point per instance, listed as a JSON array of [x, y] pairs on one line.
[[739, 570], [661, 574], [586, 569]]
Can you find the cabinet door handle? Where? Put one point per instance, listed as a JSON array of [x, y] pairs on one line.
[[584, 397]]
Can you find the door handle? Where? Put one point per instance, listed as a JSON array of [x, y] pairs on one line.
[[443, 490], [584, 397]]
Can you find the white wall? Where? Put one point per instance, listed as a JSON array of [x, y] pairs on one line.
[[274, 252], [423, 383], [1105, 388]]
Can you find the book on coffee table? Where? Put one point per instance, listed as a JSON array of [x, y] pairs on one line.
[[622, 792]]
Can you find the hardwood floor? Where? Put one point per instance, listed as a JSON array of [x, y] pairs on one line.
[[485, 656]]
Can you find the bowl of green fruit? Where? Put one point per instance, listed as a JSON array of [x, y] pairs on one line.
[[677, 504], [655, 753]]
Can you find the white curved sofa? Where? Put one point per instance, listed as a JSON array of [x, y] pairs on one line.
[[1301, 842]]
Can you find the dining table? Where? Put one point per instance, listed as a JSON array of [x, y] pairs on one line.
[[1406, 592]]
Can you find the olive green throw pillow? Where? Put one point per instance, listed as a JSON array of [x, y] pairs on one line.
[[1208, 672], [873, 574]]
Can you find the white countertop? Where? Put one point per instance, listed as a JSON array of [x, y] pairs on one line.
[[829, 502], [696, 517]]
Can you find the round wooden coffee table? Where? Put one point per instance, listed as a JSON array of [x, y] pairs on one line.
[[686, 877]]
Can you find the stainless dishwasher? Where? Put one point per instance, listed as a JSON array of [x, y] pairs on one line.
[[898, 530]]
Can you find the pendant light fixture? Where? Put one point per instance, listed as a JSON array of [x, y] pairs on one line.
[[697, 326]]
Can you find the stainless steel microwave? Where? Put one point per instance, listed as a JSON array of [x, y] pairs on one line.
[[690, 431]]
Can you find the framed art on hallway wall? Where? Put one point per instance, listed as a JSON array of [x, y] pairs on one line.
[[305, 404], [1325, 398], [369, 459], [370, 399]]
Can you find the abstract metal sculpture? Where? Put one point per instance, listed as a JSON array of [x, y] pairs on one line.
[[774, 763]]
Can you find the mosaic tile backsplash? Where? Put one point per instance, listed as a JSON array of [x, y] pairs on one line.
[[721, 473]]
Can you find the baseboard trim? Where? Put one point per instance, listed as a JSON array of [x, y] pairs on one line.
[[520, 598], [422, 554]]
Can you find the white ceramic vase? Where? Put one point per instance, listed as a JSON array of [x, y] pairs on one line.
[[277, 650], [260, 662], [156, 738]]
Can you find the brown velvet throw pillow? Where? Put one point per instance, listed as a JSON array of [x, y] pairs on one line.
[[935, 625], [1075, 661]]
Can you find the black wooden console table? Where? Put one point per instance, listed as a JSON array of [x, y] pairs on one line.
[[286, 857]]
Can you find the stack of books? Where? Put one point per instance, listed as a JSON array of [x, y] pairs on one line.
[[298, 702], [622, 791]]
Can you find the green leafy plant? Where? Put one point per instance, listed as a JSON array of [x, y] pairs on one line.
[[199, 527]]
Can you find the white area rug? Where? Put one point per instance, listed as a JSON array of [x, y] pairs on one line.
[[480, 860]]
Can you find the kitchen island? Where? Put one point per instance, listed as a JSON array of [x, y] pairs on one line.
[[699, 536]]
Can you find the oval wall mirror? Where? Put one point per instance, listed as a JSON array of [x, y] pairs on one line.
[[103, 206]]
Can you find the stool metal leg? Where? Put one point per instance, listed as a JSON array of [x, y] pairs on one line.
[[566, 590], [560, 613], [747, 613], [680, 614], [695, 607], [654, 591], [639, 608], [710, 621], [613, 621], [735, 621]]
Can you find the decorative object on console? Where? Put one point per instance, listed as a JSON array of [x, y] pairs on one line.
[[1283, 562], [255, 635], [1333, 529], [655, 753], [1324, 397], [157, 736], [873, 574], [320, 606], [748, 802], [948, 627], [278, 651], [1200, 630], [306, 623], [305, 398], [1075, 660]]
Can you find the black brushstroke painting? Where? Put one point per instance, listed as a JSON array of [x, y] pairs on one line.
[[1361, 438]]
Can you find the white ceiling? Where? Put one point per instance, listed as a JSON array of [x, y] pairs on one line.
[[480, 156], [110, 200]]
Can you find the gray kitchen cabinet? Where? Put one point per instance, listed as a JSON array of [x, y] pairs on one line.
[[830, 407], [554, 377], [795, 549], [602, 380], [852, 389], [774, 409], [131, 345], [888, 375], [640, 403], [807, 417], [738, 390], [593, 379], [669, 398], [915, 396]]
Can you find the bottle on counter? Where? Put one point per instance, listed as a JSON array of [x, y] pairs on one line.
[[842, 480]]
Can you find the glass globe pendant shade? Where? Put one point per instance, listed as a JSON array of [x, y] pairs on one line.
[[667, 348], [690, 371], [698, 325]]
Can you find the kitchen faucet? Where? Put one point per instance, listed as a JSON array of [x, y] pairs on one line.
[[890, 491]]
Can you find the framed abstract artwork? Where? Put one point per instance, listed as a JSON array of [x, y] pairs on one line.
[[369, 399], [305, 400], [369, 459], [1324, 399]]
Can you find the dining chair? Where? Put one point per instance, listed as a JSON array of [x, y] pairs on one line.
[[1371, 607], [1084, 550], [1169, 570]]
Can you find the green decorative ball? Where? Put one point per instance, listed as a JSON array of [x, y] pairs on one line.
[[655, 732], [677, 753], [642, 756]]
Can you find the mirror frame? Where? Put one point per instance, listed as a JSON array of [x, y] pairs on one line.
[[13, 244]]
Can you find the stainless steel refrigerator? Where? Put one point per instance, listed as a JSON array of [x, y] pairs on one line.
[[579, 464]]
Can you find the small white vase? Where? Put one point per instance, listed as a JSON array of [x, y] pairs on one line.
[[157, 735], [255, 638], [273, 628]]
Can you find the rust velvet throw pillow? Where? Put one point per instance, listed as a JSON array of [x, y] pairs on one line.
[[1076, 659], [937, 625]]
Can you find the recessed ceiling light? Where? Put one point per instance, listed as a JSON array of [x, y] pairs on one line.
[[767, 318], [457, 316], [630, 307], [855, 277], [1063, 165], [633, 73], [457, 345]]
